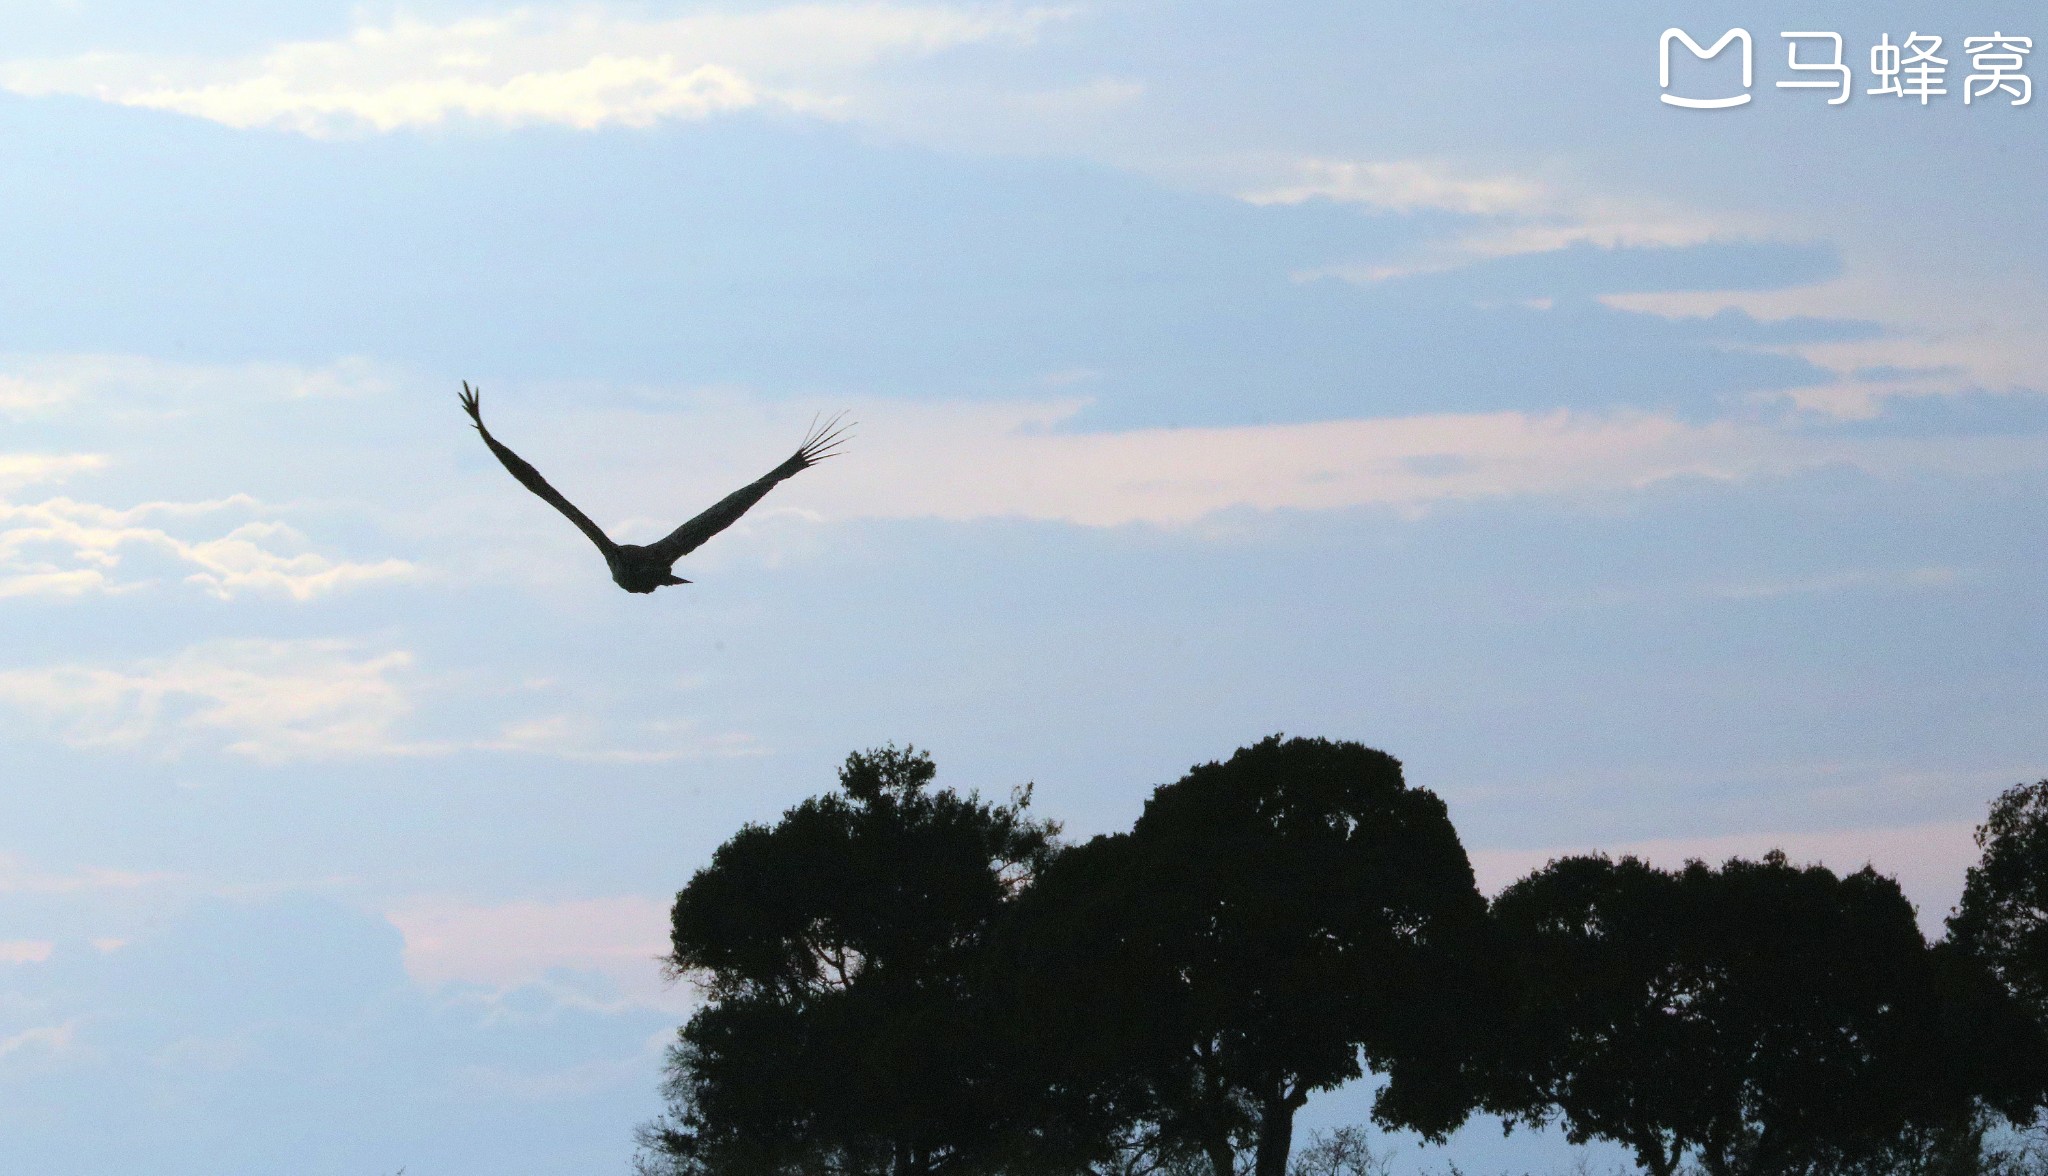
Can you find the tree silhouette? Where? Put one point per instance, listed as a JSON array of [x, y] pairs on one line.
[[848, 1026], [1269, 922], [1762, 1017], [902, 981], [2003, 918]]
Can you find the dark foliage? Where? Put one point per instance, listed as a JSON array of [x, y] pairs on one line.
[[849, 1023], [1270, 923], [1759, 1018], [902, 981], [2003, 918]]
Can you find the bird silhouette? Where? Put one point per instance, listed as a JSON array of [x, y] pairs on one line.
[[643, 569]]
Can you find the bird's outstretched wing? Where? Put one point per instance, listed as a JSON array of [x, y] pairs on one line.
[[819, 444], [531, 479]]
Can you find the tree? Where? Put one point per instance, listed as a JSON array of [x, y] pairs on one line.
[[848, 1027], [1760, 1017], [2001, 927], [1603, 1008], [1269, 924], [2003, 917]]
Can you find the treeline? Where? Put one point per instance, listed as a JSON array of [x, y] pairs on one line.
[[903, 981]]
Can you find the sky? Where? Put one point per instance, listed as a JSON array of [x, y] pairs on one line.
[[1647, 479]]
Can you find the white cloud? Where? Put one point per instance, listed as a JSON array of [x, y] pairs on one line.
[[1533, 215], [1943, 330], [1017, 468], [54, 1039], [21, 396], [1407, 185], [28, 469], [276, 701], [40, 385], [968, 462], [586, 69], [270, 701], [1941, 334], [581, 736], [25, 951], [17, 877], [62, 547], [513, 944]]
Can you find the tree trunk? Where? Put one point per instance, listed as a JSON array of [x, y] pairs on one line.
[[1276, 1134]]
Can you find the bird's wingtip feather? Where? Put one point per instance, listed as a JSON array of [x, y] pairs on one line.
[[823, 441]]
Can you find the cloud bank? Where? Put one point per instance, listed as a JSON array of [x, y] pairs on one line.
[[1528, 214], [280, 701], [1012, 460], [268, 700], [62, 547], [525, 67], [510, 944]]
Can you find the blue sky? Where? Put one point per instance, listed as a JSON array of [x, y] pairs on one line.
[[1645, 479]]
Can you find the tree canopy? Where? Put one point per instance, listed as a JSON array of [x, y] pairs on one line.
[[1760, 1017], [2003, 917], [1269, 924], [904, 981], [842, 950]]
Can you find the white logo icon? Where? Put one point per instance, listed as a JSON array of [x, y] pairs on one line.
[[1664, 67]]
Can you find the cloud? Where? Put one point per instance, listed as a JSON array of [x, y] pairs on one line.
[[54, 1039], [17, 877], [25, 951], [27, 469], [527, 66], [270, 701], [1178, 476], [42, 385], [581, 736], [1943, 334], [62, 547], [208, 1024], [280, 701], [1532, 214], [1408, 185], [970, 462], [508, 945]]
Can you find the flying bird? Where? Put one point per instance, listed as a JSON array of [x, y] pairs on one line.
[[643, 569]]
